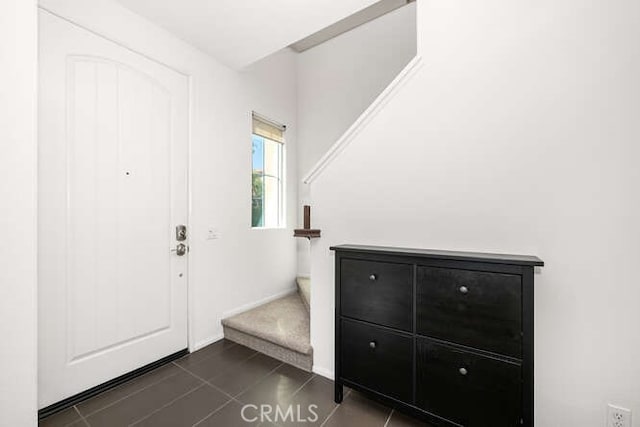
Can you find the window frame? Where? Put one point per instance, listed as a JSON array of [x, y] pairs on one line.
[[281, 179]]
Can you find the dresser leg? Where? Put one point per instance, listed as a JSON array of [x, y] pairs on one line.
[[338, 393]]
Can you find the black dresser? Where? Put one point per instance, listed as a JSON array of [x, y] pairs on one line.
[[446, 336]]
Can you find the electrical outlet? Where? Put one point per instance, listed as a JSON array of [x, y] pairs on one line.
[[618, 417]]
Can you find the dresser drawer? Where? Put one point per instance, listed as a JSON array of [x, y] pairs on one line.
[[469, 389], [377, 358], [474, 308], [378, 292]]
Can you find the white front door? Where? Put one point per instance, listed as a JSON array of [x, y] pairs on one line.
[[113, 132]]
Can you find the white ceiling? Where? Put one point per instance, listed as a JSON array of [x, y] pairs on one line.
[[239, 32]]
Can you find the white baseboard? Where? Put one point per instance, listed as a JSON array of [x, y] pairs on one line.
[[323, 372], [205, 342], [247, 307]]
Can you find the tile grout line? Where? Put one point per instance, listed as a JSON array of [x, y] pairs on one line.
[[209, 415], [81, 417], [126, 396], [206, 359], [335, 408], [204, 382], [302, 386], [84, 417], [209, 384], [389, 417], [256, 382], [209, 356], [165, 405], [215, 387], [255, 353], [290, 398], [233, 398]]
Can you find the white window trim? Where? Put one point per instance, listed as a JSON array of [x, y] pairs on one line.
[[282, 193]]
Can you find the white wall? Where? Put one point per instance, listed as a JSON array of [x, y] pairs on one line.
[[519, 134], [243, 265], [18, 353], [339, 79]]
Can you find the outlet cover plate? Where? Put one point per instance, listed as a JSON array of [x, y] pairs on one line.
[[618, 416]]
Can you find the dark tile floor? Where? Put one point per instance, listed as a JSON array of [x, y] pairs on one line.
[[210, 388]]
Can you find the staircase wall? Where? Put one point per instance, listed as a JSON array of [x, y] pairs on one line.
[[519, 134], [339, 79]]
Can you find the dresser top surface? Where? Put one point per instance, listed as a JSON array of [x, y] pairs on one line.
[[510, 259]]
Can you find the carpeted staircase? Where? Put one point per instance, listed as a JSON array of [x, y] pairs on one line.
[[279, 329]]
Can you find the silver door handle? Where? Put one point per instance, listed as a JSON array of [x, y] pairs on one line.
[[180, 249]]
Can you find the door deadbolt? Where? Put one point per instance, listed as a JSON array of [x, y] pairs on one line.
[[181, 233]]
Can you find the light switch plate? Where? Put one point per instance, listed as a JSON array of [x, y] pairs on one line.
[[213, 233]]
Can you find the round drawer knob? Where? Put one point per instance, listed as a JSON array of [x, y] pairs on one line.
[[373, 277], [463, 289], [463, 371], [372, 344]]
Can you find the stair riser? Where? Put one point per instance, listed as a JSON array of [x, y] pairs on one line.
[[299, 360]]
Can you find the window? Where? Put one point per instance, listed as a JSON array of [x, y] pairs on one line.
[[267, 186]]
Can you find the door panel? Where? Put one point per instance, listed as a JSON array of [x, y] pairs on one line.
[[116, 154], [113, 186]]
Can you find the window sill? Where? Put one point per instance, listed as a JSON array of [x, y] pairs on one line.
[[269, 228]]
